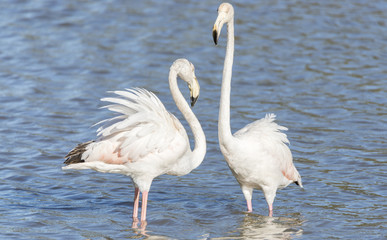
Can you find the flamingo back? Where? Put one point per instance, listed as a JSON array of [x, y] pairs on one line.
[[143, 129], [266, 136]]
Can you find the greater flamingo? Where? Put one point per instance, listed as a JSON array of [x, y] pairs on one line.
[[256, 154], [145, 140]]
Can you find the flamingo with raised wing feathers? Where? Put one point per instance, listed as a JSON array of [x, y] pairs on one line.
[[145, 140]]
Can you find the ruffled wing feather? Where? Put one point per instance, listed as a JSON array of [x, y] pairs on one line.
[[144, 126], [268, 134]]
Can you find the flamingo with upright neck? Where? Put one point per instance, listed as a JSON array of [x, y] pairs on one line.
[[257, 154]]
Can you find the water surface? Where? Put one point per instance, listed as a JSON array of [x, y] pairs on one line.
[[319, 65]]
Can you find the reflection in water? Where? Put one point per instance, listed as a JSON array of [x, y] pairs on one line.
[[142, 228], [142, 232], [263, 227]]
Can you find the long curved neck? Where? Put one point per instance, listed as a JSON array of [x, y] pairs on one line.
[[199, 150], [224, 128]]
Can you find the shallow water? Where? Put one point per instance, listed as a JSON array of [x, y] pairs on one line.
[[319, 65]]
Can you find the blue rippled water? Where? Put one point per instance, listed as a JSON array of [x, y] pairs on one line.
[[319, 65]]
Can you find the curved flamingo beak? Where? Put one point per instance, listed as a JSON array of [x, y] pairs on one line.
[[194, 91], [193, 101], [215, 35]]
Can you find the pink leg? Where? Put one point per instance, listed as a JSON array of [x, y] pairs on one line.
[[270, 210], [135, 203], [249, 206], [248, 193], [270, 193], [143, 226], [143, 206]]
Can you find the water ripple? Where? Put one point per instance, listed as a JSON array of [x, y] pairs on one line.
[[319, 65]]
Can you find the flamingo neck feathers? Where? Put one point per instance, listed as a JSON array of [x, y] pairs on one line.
[[224, 128], [199, 150]]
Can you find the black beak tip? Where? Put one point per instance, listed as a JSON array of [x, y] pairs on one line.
[[215, 36], [193, 101]]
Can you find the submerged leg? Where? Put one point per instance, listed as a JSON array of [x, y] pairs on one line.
[[269, 196], [248, 193], [143, 206], [270, 210], [249, 206], [135, 203]]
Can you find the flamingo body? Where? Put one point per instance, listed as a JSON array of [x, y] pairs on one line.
[[148, 142], [145, 141], [257, 155]]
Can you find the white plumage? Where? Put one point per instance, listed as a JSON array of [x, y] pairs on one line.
[[145, 140], [257, 154]]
